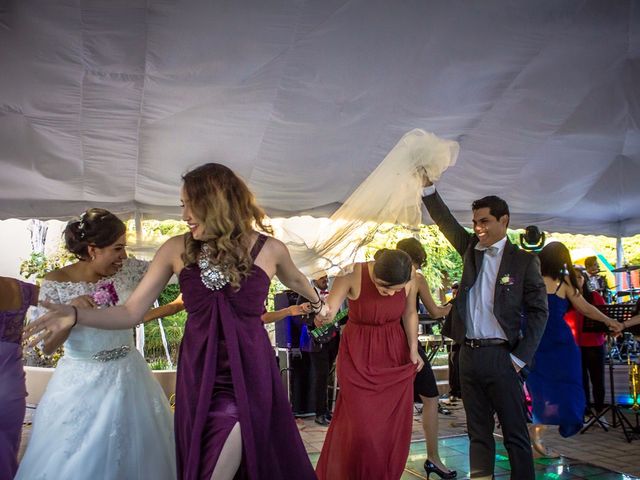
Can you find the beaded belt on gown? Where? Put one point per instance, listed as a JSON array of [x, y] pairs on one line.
[[113, 354]]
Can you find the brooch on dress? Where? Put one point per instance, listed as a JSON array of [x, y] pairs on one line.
[[212, 276]]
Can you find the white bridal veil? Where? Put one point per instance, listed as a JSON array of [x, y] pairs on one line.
[[391, 194]]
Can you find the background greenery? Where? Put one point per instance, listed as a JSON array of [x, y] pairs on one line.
[[444, 266]]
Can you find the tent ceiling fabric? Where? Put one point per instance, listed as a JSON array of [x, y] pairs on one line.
[[109, 102]]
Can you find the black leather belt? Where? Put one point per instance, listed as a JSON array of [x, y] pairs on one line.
[[484, 342]]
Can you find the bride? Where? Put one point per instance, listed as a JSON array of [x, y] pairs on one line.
[[103, 415]]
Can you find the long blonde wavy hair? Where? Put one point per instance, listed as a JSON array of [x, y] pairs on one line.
[[228, 209]]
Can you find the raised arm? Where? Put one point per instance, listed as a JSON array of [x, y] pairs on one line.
[[449, 226], [62, 317]]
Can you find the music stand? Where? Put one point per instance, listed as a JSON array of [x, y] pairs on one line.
[[432, 341], [619, 312]]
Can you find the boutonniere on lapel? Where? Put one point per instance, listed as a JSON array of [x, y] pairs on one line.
[[507, 280]]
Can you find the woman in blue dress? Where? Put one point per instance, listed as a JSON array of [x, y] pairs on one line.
[[555, 381]]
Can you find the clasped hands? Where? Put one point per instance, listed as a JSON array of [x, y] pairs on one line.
[[615, 327], [324, 316]]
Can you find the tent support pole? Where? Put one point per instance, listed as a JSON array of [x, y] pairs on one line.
[[619, 253], [619, 259]]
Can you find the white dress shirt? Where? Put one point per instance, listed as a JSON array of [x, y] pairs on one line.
[[481, 322]]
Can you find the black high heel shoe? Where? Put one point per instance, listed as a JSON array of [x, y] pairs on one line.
[[430, 468]]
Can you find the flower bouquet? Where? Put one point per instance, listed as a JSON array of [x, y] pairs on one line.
[[105, 295]]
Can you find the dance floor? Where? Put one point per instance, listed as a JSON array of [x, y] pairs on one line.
[[454, 452]]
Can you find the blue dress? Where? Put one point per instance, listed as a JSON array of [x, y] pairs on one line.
[[555, 381]]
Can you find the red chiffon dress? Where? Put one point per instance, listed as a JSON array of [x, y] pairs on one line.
[[370, 432]]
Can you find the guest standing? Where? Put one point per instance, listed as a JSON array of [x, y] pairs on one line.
[[592, 346], [233, 418], [322, 355], [499, 285], [425, 385], [16, 298], [555, 381], [370, 432]]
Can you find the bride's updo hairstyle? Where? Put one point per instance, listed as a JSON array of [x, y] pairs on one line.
[[392, 266], [96, 226], [223, 202]]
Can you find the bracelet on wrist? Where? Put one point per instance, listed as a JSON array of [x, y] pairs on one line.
[[75, 311], [317, 307]]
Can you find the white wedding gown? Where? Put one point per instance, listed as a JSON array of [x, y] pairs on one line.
[[105, 419]]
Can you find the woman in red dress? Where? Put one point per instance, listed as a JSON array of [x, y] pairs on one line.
[[378, 358]]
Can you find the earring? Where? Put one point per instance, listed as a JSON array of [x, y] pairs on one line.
[[93, 257]]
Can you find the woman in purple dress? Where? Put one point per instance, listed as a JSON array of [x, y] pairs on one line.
[[233, 418], [16, 298]]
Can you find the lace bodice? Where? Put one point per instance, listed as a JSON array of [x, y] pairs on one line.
[[11, 321], [84, 342]]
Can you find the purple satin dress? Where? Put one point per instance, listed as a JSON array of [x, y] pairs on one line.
[[227, 374], [12, 387]]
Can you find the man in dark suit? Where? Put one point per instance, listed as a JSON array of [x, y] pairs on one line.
[[322, 355], [498, 318]]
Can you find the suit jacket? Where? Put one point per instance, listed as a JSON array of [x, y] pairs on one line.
[[520, 297]]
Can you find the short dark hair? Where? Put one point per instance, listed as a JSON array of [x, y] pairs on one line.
[[591, 261], [392, 266], [497, 206], [587, 293], [413, 247], [96, 226]]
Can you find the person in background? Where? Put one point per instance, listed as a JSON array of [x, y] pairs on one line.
[[455, 392], [424, 385], [597, 283], [555, 380], [592, 345], [322, 355], [15, 299], [290, 311]]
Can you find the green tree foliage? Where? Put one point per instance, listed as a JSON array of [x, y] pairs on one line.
[[39, 264], [631, 247], [444, 265], [173, 328]]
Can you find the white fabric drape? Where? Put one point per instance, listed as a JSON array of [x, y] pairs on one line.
[[107, 103], [390, 195]]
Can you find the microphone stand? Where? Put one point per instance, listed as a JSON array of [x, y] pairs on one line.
[[617, 417]]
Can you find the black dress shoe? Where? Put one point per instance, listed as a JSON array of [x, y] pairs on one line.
[[431, 468], [322, 420], [328, 416]]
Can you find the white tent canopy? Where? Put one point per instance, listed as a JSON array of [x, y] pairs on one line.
[[108, 102]]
